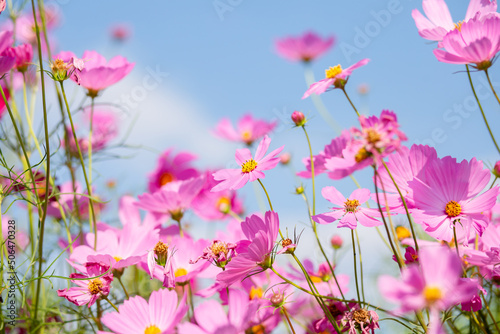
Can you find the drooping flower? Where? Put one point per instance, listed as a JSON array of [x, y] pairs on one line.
[[212, 319], [258, 255], [304, 48], [170, 167], [251, 169], [477, 42], [88, 290], [439, 22], [247, 129], [360, 319], [98, 73], [450, 196], [350, 211], [218, 253], [160, 314], [23, 54], [336, 77]]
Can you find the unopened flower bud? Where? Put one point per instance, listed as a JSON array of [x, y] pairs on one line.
[[496, 169], [298, 118], [285, 158], [299, 190], [336, 241], [277, 299]]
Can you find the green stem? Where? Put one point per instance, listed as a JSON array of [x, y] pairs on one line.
[[312, 171], [489, 313], [348, 99], [267, 195], [80, 156], [90, 152], [123, 287], [110, 303], [481, 109], [491, 86], [360, 265], [355, 266]]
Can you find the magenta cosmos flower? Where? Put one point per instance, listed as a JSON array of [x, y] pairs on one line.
[[450, 197], [251, 169], [439, 22], [476, 42], [158, 316], [171, 167], [23, 54], [435, 284], [350, 210], [248, 129], [98, 73], [257, 256], [88, 290], [336, 77], [304, 48]]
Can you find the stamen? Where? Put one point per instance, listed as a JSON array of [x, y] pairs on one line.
[[248, 166], [95, 286], [332, 72], [453, 209], [153, 329], [362, 155], [432, 294], [165, 178], [351, 205]]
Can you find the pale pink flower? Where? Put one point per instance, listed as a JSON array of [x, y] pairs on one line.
[[450, 196], [439, 22], [212, 319], [170, 167], [160, 315], [360, 319], [3, 3], [248, 129], [304, 48], [251, 169], [88, 290], [258, 256], [350, 211], [219, 253], [336, 77], [477, 42]]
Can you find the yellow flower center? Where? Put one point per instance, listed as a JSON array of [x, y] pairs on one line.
[[361, 155], [432, 294], [257, 329], [161, 248], [180, 272], [246, 136], [316, 279], [224, 204], [59, 65], [453, 209], [248, 166], [153, 329], [286, 242], [351, 206], [95, 286], [256, 292], [458, 25], [166, 177], [332, 72], [372, 136], [402, 232], [117, 258], [219, 247]]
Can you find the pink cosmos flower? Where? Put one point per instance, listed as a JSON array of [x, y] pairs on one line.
[[216, 205], [23, 54], [304, 48], [173, 199], [160, 315], [450, 197], [88, 291], [6, 63], [377, 138], [251, 169], [350, 210], [496, 169], [476, 42], [360, 318], [170, 168], [120, 32], [439, 21], [334, 149], [435, 284], [3, 4], [336, 77], [212, 319], [257, 257], [247, 129], [98, 73], [219, 253]]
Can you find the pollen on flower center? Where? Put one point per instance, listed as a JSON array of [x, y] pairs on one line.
[[219, 247], [161, 248], [453, 209], [256, 292], [246, 136], [95, 286], [248, 166], [153, 329], [180, 272], [361, 155], [166, 178], [286, 242], [351, 205], [332, 72], [361, 316], [432, 294], [59, 65], [257, 329], [224, 204], [458, 25], [372, 136]]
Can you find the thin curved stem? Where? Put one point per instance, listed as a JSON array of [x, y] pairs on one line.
[[288, 319], [267, 195], [481, 109], [312, 171], [348, 99], [355, 266], [491, 86]]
